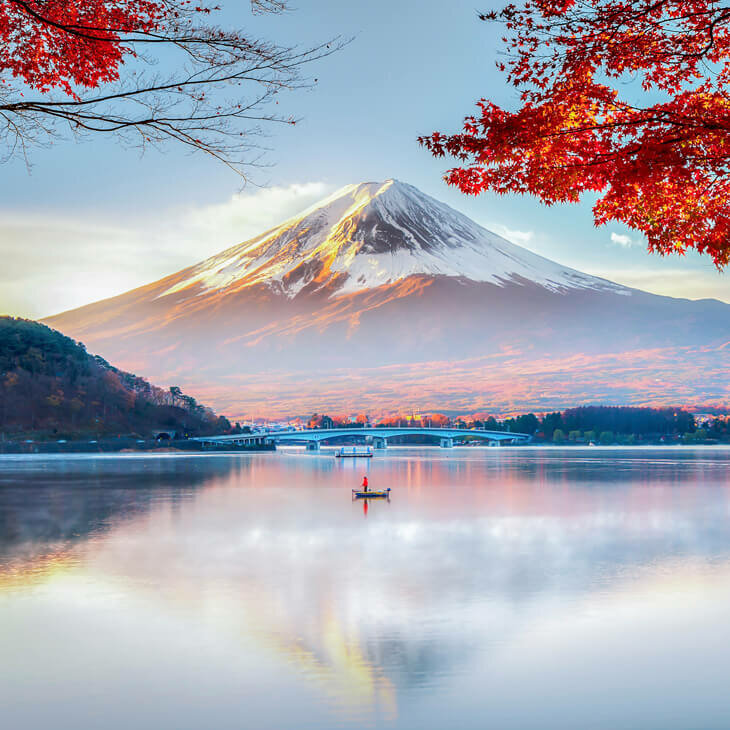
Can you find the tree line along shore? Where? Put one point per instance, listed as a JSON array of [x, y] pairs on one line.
[[583, 425], [53, 390], [55, 396]]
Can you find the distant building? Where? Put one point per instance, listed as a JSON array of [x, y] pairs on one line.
[[703, 419]]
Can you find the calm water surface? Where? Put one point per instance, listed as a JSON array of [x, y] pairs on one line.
[[524, 588]]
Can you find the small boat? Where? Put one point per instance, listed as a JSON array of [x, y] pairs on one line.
[[371, 494], [354, 451]]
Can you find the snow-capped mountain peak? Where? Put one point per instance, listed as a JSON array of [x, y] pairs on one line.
[[371, 234], [381, 297]]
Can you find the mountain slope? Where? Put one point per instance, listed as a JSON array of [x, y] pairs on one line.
[[381, 293]]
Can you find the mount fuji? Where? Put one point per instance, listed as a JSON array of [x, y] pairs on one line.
[[382, 298]]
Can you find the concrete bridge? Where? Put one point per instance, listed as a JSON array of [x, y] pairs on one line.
[[378, 437]]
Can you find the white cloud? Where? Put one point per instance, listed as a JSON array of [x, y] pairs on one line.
[[52, 263], [244, 216], [623, 240], [521, 238], [674, 282]]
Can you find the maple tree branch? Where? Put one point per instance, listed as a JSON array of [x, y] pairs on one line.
[[661, 167]]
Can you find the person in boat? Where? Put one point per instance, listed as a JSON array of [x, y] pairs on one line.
[[365, 484]]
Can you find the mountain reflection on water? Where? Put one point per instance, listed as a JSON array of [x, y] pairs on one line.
[[519, 588]]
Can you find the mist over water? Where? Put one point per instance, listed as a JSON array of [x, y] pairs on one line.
[[506, 588]]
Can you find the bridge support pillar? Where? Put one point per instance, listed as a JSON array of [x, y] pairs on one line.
[[447, 443], [380, 443], [312, 445]]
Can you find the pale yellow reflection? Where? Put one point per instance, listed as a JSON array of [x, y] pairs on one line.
[[348, 678], [249, 615], [22, 574]]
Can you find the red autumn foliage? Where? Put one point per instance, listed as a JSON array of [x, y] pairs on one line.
[[625, 99], [61, 43]]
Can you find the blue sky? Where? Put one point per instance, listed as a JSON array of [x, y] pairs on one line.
[[92, 219]]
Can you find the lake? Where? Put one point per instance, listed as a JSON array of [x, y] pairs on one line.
[[506, 588]]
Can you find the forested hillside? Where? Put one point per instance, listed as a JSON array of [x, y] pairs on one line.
[[50, 384]]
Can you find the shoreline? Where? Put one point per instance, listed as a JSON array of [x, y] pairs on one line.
[[121, 446], [168, 451]]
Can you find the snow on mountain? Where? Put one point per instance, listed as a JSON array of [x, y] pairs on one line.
[[371, 234]]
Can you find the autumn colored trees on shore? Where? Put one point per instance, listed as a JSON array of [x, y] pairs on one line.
[[49, 383], [583, 424]]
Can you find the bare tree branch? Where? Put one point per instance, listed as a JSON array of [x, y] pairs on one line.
[[218, 96]]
